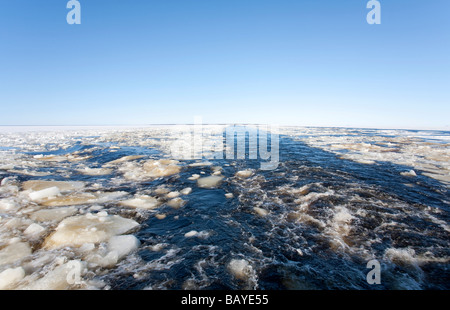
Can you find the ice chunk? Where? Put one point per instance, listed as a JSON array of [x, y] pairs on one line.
[[200, 164], [244, 174], [83, 198], [34, 230], [14, 252], [141, 202], [260, 211], [63, 186], [95, 171], [70, 200], [186, 191], [117, 248], [10, 277], [63, 277], [161, 168], [229, 195], [161, 190], [240, 269], [49, 215], [8, 204], [191, 234], [194, 177], [123, 245], [410, 173], [209, 182], [44, 193], [176, 203], [173, 194], [89, 228], [124, 159], [18, 223], [160, 216]]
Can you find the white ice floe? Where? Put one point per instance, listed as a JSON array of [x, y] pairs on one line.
[[194, 177], [62, 277], [95, 171], [10, 277], [410, 173], [110, 254], [141, 202], [83, 198], [191, 234], [186, 191], [209, 182], [123, 245], [14, 252], [244, 174], [47, 193], [63, 186], [34, 230], [53, 215], [176, 203], [260, 211], [161, 168], [123, 159], [8, 204], [89, 228], [173, 194], [150, 169]]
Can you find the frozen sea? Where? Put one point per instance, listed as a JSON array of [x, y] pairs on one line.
[[112, 208]]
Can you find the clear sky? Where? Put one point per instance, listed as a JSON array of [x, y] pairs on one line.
[[289, 62]]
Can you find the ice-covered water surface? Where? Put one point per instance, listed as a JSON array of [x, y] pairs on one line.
[[111, 208]]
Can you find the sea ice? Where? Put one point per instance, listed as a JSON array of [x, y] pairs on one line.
[[173, 194], [141, 202], [44, 193], [59, 278], [89, 228], [9, 277], [244, 174], [63, 186], [95, 171], [209, 182], [50, 215], [123, 159], [190, 234], [8, 204], [161, 168], [14, 252], [176, 203], [260, 211], [34, 230], [186, 191]]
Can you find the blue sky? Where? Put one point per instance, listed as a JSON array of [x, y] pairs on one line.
[[289, 62]]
